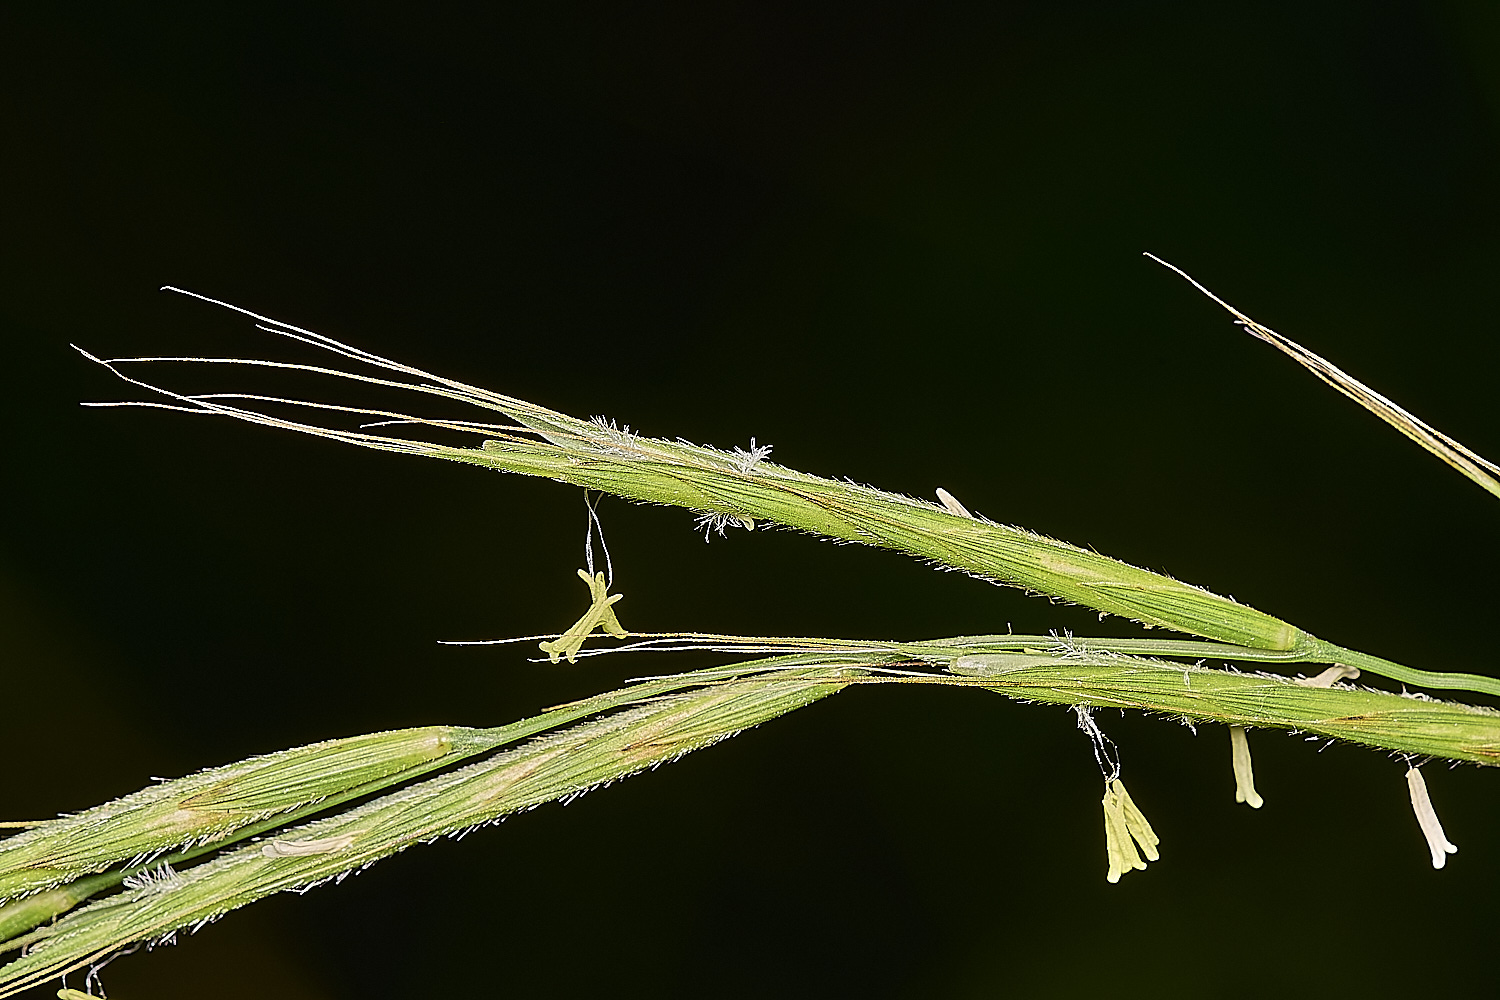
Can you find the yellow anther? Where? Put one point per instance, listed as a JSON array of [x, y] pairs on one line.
[[1125, 829], [601, 614], [1244, 776]]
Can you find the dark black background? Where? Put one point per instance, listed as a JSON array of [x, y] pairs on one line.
[[900, 243]]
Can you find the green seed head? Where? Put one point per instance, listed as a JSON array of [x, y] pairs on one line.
[[202, 808]]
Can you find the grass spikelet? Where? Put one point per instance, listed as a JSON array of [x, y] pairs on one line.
[[207, 807], [662, 719], [1473, 466], [143, 842], [560, 766], [743, 488]]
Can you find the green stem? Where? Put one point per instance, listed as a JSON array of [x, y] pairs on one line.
[[1409, 675]]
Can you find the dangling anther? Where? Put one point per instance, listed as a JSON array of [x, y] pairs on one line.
[[601, 614], [1125, 828], [1427, 819], [1244, 776]]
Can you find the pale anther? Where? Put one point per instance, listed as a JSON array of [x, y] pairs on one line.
[[1330, 677], [951, 503], [1244, 777], [301, 848], [1421, 804], [1125, 829]]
